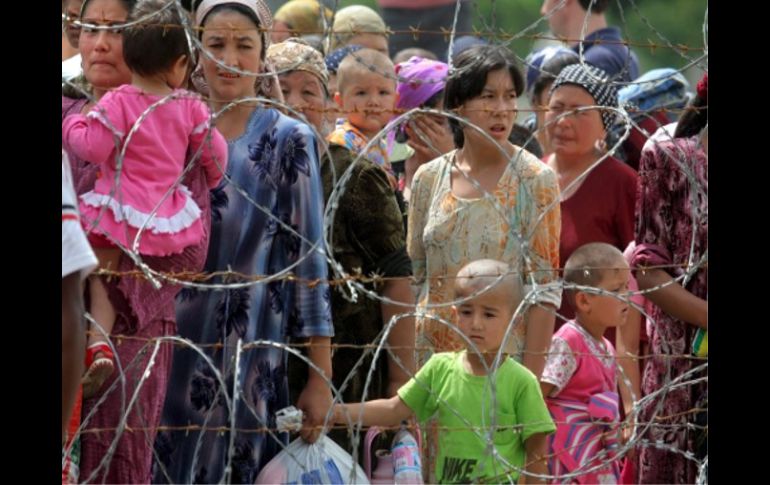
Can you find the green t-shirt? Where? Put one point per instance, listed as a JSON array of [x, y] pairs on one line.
[[463, 400]]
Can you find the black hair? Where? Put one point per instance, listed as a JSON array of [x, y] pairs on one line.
[[154, 45], [550, 70], [694, 119], [128, 4], [521, 136], [598, 6]]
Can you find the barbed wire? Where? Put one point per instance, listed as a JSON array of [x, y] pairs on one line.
[[414, 31], [233, 395]]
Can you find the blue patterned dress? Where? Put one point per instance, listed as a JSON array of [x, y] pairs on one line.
[[275, 163]]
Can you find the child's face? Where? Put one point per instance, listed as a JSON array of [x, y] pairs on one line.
[[485, 318], [607, 310], [367, 101]]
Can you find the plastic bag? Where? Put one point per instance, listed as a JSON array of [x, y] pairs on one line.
[[302, 463]]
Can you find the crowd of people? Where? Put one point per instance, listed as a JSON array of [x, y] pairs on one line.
[[249, 183]]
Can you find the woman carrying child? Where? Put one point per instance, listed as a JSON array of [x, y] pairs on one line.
[[148, 163]]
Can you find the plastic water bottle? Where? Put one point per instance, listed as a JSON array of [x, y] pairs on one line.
[[405, 453]]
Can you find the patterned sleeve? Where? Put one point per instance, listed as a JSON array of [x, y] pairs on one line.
[[560, 366], [419, 204], [376, 224], [311, 315], [210, 142], [94, 136], [545, 235], [653, 212]]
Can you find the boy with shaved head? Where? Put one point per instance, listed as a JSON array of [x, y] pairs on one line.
[[482, 402]]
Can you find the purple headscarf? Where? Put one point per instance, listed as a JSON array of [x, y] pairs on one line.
[[418, 80]]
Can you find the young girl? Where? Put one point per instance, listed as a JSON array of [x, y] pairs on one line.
[[579, 381], [147, 193]]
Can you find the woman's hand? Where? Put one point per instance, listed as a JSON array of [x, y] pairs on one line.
[[428, 137], [314, 401], [316, 398]]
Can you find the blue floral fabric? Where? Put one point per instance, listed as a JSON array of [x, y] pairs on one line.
[[272, 166]]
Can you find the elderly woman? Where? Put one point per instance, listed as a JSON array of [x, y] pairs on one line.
[[143, 313], [543, 67], [367, 237], [303, 80], [266, 219], [597, 191]]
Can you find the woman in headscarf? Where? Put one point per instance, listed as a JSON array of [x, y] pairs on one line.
[[367, 237], [143, 312], [421, 84], [266, 220], [597, 190]]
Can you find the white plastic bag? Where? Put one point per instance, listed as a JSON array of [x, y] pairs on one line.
[[323, 462]]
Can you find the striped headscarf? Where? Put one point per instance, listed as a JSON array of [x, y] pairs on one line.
[[596, 82]]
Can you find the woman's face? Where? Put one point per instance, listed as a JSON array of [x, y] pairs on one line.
[[540, 105], [576, 134], [304, 92], [494, 110], [102, 50], [72, 10], [233, 39]]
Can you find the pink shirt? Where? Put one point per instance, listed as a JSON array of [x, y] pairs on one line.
[[155, 156], [579, 365]]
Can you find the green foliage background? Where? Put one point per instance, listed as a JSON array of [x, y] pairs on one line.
[[679, 21]]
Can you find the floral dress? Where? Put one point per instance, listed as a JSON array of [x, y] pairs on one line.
[[447, 232], [672, 229], [272, 184]]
